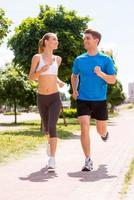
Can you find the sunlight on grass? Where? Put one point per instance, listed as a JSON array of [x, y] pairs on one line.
[[127, 180], [13, 144], [26, 136]]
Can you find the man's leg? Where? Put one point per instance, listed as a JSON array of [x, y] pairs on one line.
[[101, 127], [85, 142], [85, 139]]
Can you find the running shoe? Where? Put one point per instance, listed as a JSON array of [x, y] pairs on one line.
[[105, 138], [51, 164], [88, 165]]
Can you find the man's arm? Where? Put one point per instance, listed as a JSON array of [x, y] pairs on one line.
[[74, 83], [110, 79]]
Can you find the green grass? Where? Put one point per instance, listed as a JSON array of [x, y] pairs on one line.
[[11, 113], [126, 106], [130, 107], [27, 136], [15, 143], [113, 114], [127, 180]]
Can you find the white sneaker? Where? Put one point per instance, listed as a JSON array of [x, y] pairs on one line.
[[51, 164], [88, 166]]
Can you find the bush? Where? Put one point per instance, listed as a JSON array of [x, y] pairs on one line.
[[11, 113], [70, 113]]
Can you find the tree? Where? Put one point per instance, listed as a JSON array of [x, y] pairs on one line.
[[68, 26], [115, 95], [4, 25], [15, 89], [115, 92]]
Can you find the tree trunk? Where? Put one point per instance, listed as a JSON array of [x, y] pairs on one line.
[[64, 119], [15, 113]]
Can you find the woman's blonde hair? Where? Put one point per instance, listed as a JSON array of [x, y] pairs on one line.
[[41, 43]]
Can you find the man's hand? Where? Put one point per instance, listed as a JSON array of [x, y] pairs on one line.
[[110, 79], [97, 71], [75, 94]]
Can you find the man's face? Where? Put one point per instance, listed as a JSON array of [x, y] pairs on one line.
[[89, 41]]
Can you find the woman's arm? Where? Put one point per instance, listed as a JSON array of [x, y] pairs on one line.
[[60, 82], [33, 74], [59, 60]]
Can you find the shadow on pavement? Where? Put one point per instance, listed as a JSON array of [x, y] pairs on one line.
[[92, 176], [40, 176]]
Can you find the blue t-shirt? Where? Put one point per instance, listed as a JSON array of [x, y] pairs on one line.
[[91, 86]]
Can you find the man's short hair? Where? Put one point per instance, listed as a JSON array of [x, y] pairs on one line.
[[94, 33]]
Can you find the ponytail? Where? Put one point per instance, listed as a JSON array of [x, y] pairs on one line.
[[41, 43], [41, 46]]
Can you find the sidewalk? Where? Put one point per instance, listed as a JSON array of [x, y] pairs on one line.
[[27, 179]]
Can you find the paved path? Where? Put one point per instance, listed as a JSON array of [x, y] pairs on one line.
[[27, 178]]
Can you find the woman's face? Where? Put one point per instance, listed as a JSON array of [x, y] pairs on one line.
[[52, 42]]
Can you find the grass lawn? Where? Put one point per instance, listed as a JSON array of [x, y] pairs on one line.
[[26, 136], [127, 180]]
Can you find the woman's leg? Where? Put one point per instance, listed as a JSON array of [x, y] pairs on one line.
[[54, 112], [44, 111]]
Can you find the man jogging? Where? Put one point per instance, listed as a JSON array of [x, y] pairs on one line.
[[94, 71]]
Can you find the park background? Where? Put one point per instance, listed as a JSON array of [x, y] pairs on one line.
[[114, 19]]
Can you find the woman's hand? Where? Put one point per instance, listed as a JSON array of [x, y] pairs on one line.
[[44, 68], [61, 84]]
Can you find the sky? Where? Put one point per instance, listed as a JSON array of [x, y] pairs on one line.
[[113, 19]]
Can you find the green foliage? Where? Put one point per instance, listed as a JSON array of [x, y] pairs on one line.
[[16, 89], [11, 113], [128, 179], [26, 136], [70, 113], [24, 43], [4, 25], [68, 26], [115, 94]]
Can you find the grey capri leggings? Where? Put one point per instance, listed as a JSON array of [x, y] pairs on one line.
[[49, 108]]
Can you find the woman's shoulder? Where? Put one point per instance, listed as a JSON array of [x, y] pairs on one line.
[[36, 57]]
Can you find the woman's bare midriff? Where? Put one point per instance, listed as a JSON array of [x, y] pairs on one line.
[[47, 84]]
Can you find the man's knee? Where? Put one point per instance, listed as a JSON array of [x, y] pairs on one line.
[[84, 123], [101, 129]]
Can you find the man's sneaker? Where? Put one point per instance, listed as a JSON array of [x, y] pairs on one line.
[[88, 165], [48, 149], [105, 138], [51, 164]]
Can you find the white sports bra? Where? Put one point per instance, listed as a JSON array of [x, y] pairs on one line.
[[53, 68]]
